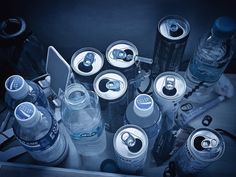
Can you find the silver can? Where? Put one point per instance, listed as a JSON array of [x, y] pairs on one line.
[[111, 86], [130, 144], [203, 147], [86, 64], [121, 55], [169, 89], [172, 35]]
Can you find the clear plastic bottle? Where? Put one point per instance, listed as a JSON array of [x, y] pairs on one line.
[[81, 116], [213, 54], [39, 133], [19, 90]]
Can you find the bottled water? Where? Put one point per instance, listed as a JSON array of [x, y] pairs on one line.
[[213, 54], [19, 90], [81, 116], [144, 112], [39, 133]]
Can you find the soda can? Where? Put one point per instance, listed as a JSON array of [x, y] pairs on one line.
[[203, 147], [144, 112], [86, 64], [130, 144], [169, 89], [121, 56], [171, 39], [111, 86]]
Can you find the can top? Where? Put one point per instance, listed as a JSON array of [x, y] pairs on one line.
[[206, 144], [87, 61], [110, 84], [17, 87], [174, 27], [26, 114], [121, 54], [170, 85], [130, 141]]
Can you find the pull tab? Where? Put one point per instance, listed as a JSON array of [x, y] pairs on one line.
[[128, 139], [88, 59], [170, 83], [143, 59], [174, 28], [209, 143], [113, 85], [119, 54], [169, 88]]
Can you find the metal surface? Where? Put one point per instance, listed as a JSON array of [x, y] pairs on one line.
[[172, 35], [124, 139], [116, 84], [111, 86], [80, 57], [203, 147], [121, 62]]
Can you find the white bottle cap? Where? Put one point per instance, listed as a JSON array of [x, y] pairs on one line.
[[143, 105], [26, 114], [16, 87]]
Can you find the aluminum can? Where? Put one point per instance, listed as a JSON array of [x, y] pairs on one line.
[[130, 144], [171, 39], [111, 87], [86, 64], [169, 89], [203, 147]]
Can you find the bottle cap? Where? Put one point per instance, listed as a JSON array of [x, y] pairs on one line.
[[143, 105], [17, 87], [224, 27], [26, 114]]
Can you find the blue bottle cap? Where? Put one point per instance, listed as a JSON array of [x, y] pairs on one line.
[[16, 87], [143, 105], [224, 27], [26, 114]]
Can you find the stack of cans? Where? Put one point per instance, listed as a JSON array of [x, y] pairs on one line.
[[121, 56]]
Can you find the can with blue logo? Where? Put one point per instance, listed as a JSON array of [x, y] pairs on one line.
[[144, 112]]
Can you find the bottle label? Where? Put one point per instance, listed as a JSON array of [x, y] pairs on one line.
[[95, 132], [44, 143]]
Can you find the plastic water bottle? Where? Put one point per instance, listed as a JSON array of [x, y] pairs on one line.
[[39, 133], [213, 54], [19, 90], [81, 116], [144, 112]]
